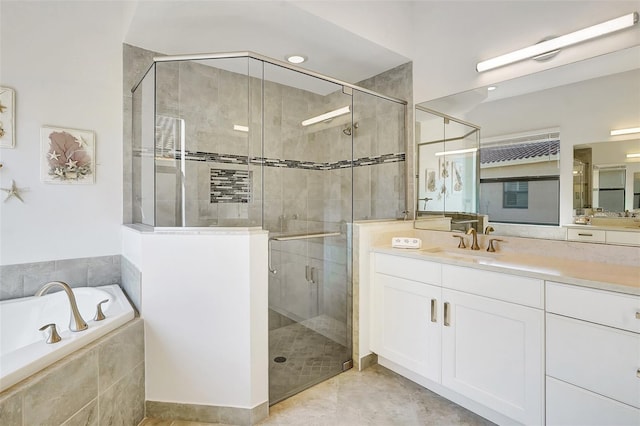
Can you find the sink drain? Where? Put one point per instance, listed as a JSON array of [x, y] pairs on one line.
[[279, 359]]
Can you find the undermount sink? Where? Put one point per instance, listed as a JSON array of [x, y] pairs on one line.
[[463, 254]]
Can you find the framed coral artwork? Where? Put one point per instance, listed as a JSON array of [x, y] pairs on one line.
[[67, 156], [7, 117]]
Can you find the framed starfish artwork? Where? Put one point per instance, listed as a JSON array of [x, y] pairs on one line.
[[7, 118], [67, 156]]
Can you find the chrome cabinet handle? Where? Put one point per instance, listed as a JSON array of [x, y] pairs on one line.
[[585, 235], [638, 373], [99, 314], [434, 311], [53, 336], [638, 315], [447, 309]]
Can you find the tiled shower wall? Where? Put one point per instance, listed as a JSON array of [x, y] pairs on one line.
[[305, 189]]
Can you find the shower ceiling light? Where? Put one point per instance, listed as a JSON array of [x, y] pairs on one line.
[[625, 131], [635, 155], [240, 128], [296, 59], [457, 151], [491, 88], [556, 43], [327, 116]]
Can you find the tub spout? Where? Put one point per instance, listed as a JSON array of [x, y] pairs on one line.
[[76, 323]]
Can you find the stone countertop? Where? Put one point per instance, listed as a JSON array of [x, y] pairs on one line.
[[603, 276], [629, 228]]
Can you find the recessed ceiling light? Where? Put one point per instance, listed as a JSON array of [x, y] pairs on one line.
[[490, 88], [296, 59]]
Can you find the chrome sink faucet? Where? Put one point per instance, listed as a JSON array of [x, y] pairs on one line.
[[76, 322], [474, 234]]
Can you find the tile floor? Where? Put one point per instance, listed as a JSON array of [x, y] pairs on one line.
[[310, 358], [375, 396]]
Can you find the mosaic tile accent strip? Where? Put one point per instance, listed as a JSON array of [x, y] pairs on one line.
[[230, 186], [276, 162]]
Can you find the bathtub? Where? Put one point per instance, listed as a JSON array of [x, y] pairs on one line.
[[23, 350]]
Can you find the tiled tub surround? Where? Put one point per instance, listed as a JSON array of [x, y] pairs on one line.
[[100, 384], [23, 350], [24, 279]]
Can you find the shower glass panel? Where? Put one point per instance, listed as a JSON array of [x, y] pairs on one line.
[[240, 140], [207, 131], [308, 212], [379, 172], [143, 159]]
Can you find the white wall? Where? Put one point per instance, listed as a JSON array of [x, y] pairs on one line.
[[205, 314], [64, 60]]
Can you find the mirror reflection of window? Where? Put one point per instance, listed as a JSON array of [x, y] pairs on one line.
[[520, 178]]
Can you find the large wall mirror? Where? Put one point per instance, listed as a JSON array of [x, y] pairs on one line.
[[547, 157]]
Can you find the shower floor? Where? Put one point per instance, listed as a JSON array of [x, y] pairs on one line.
[[310, 358]]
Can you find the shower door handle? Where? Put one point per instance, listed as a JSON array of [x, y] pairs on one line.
[[307, 273]]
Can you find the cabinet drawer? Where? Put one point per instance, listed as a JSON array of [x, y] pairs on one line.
[[600, 359], [410, 269], [622, 237], [602, 307], [589, 235], [568, 405], [510, 288]]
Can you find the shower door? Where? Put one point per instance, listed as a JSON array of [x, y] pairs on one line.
[[307, 199]]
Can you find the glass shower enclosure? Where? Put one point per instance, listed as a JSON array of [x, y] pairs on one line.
[[241, 140]]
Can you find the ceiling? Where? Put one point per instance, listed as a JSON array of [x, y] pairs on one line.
[[271, 28], [353, 40]]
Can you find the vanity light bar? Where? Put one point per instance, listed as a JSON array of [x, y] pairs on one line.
[[625, 131], [635, 155], [240, 128], [327, 116], [557, 43], [457, 151]]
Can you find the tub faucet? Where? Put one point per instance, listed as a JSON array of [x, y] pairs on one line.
[[76, 323], [474, 244]]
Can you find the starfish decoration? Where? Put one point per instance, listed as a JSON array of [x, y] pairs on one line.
[[80, 141], [53, 155], [2, 108], [71, 163], [12, 192]]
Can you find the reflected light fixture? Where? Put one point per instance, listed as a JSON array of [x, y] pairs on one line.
[[634, 155], [296, 59], [560, 42], [457, 151], [327, 116], [240, 128], [491, 88], [625, 131]]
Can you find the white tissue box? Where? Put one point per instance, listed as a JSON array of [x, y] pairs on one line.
[[406, 242]]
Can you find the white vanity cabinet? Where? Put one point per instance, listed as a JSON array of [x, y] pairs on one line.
[[478, 333], [593, 356], [407, 313], [492, 350]]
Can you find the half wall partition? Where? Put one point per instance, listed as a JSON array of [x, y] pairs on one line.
[[241, 140]]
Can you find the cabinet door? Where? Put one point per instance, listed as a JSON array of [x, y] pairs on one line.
[[493, 353], [405, 328]]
